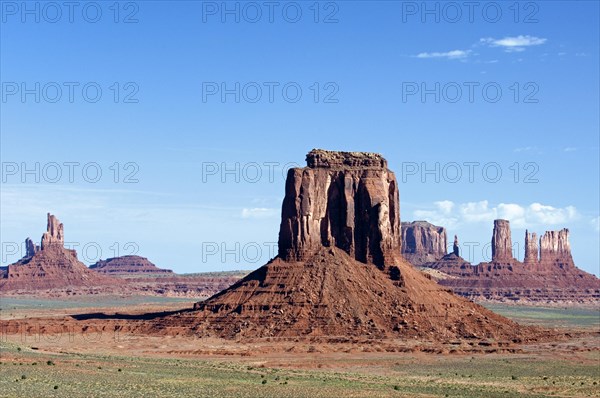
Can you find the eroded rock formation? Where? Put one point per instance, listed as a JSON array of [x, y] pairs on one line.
[[339, 271], [501, 242], [30, 248], [423, 242], [51, 266], [551, 278], [555, 249], [54, 234], [347, 200], [455, 248], [531, 248]]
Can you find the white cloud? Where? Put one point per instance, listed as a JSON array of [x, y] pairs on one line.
[[543, 214], [449, 214], [441, 215], [259, 212], [570, 149], [513, 212], [454, 54], [477, 212], [445, 206], [514, 43]]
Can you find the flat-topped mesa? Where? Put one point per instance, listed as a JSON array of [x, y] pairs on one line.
[[501, 242], [531, 248], [320, 158], [423, 242], [347, 200], [555, 249], [54, 234]]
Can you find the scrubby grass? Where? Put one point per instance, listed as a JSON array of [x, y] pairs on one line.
[[78, 375], [568, 317], [22, 303]]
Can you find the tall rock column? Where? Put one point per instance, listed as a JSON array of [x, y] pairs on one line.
[[531, 248], [455, 248], [501, 242], [30, 248], [349, 200], [54, 233], [555, 249]]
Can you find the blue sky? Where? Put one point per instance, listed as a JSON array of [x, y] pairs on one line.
[[362, 69]]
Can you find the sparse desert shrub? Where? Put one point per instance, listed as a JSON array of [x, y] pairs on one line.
[[56, 387], [396, 388], [49, 363], [514, 377], [23, 377], [264, 381]]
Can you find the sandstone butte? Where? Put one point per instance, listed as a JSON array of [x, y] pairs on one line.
[[547, 273], [128, 265], [51, 266], [339, 271]]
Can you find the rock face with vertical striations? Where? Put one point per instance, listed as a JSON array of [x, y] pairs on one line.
[[423, 242], [54, 234], [339, 271], [347, 200], [555, 250], [501, 242], [531, 248]]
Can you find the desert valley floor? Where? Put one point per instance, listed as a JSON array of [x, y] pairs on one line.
[[85, 363]]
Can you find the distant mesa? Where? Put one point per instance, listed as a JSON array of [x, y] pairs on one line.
[[128, 265], [50, 265], [423, 242], [339, 271], [49, 269], [547, 273]]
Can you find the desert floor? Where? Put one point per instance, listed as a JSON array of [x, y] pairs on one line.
[[92, 364]]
